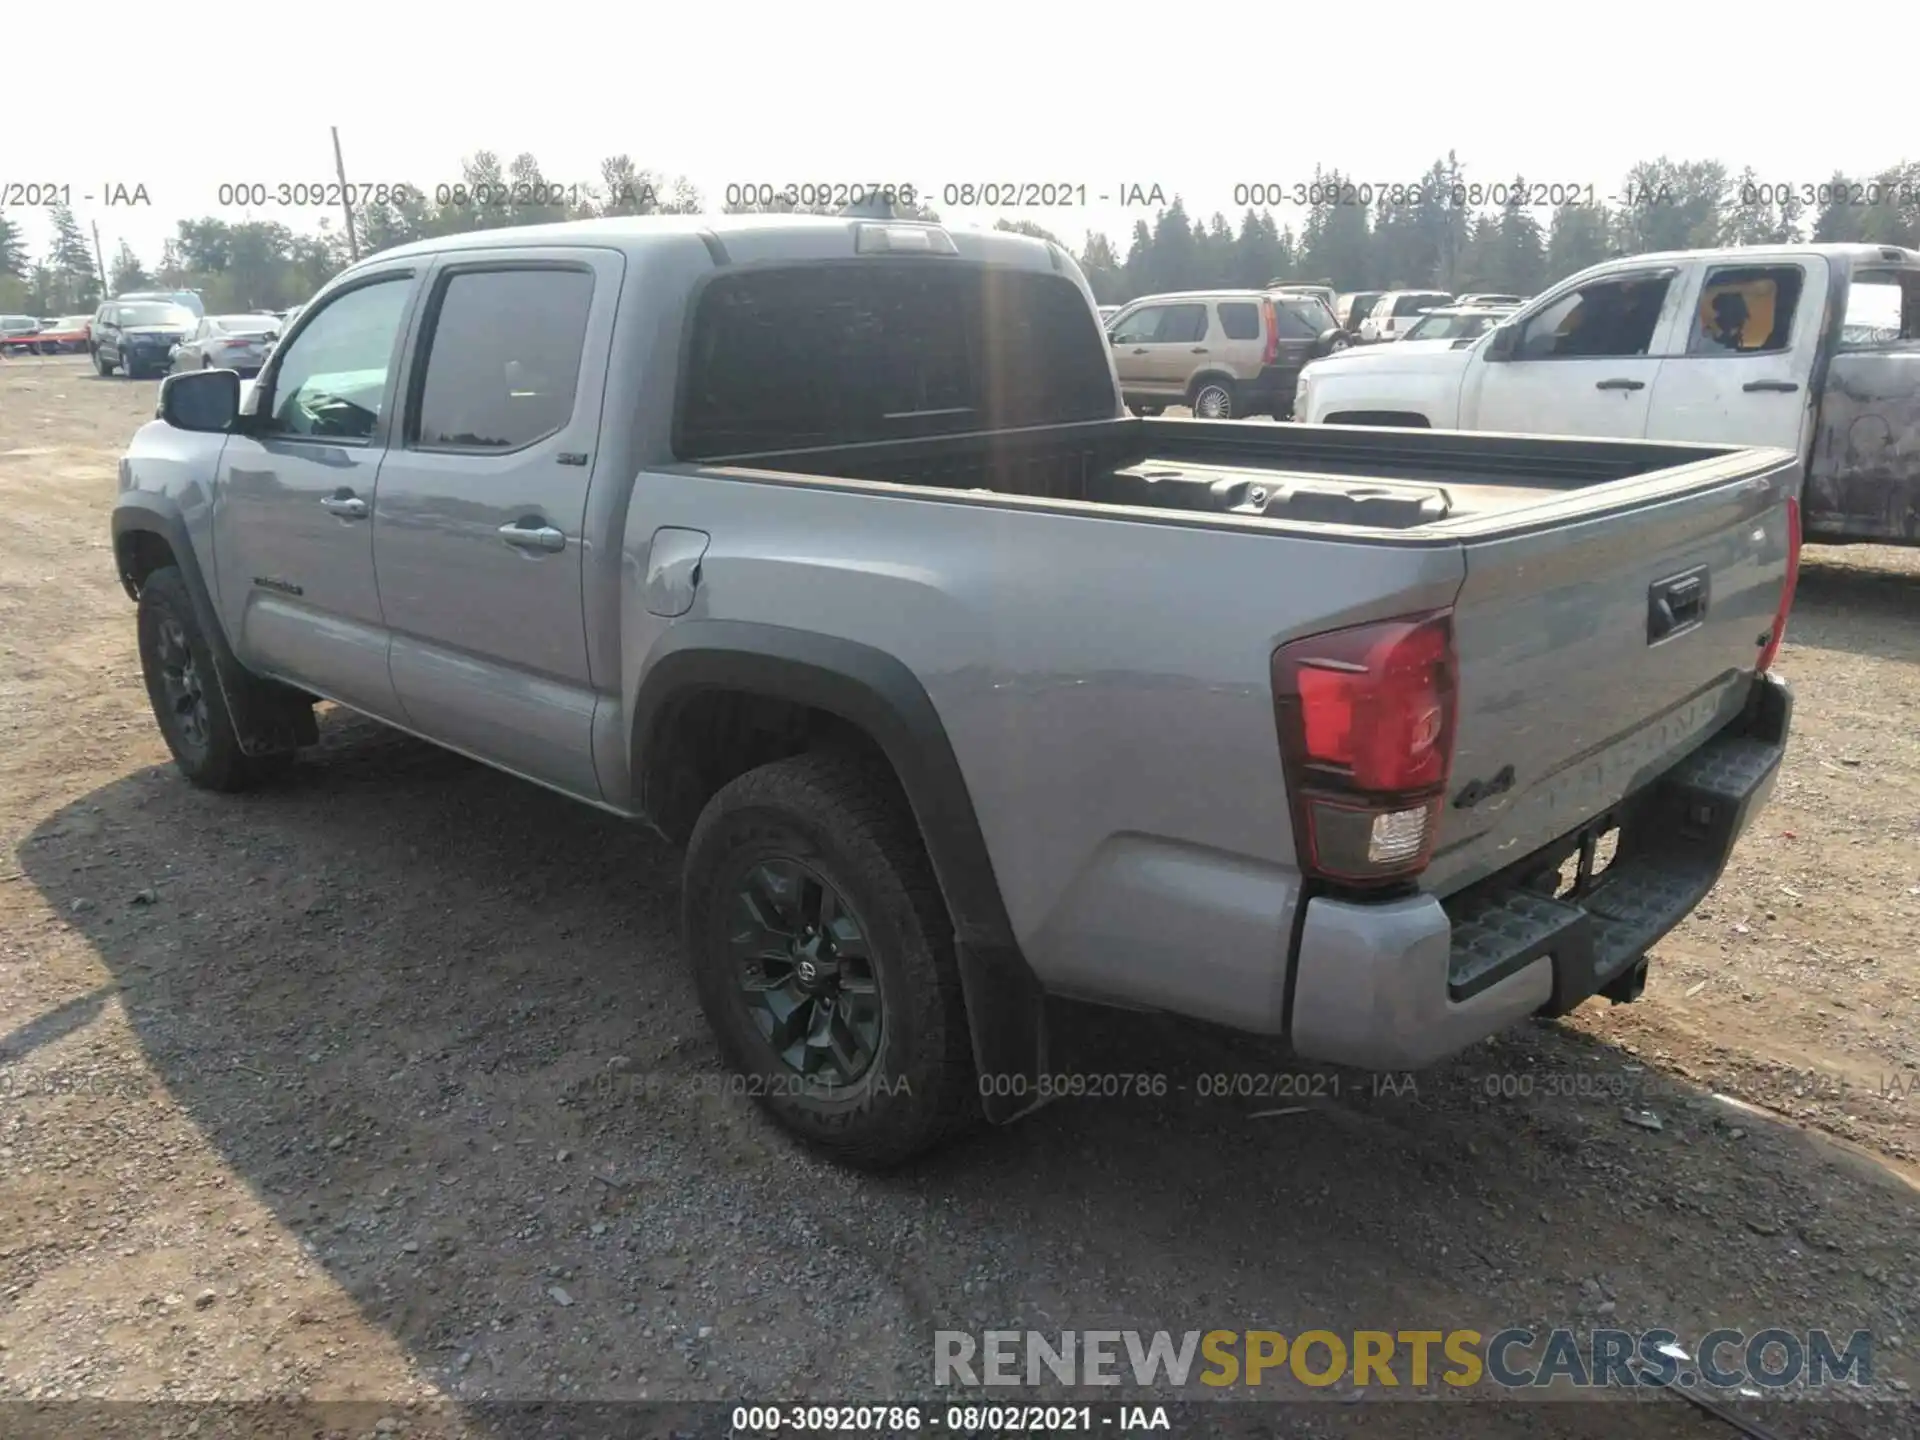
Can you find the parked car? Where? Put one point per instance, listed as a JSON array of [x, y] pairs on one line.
[[237, 342], [66, 334], [190, 299], [17, 327], [1325, 294], [1482, 300], [1454, 323], [1352, 308], [1280, 728], [138, 336], [1814, 349], [1396, 310], [1224, 353]]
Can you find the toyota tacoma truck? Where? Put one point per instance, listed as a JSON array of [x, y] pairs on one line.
[[1808, 348], [826, 547]]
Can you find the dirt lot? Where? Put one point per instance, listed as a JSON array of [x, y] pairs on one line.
[[387, 1084]]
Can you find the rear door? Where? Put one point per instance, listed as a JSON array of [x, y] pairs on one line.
[[478, 528], [1742, 372], [1584, 363]]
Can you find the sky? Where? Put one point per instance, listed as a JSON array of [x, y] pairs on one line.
[[992, 93]]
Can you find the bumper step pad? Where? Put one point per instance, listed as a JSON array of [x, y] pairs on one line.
[[1675, 838]]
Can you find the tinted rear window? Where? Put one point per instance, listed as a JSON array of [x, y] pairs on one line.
[[1417, 304], [834, 354]]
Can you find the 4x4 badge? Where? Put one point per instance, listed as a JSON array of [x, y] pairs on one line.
[[1477, 790]]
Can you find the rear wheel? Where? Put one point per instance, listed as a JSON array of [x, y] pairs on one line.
[[823, 957], [1147, 410], [1213, 399]]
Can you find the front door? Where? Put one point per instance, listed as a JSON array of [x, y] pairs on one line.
[[294, 518], [1745, 374], [478, 529], [1584, 364]]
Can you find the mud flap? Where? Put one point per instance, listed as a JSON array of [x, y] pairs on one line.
[[1007, 1016]]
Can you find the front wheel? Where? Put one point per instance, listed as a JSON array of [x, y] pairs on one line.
[[185, 692], [823, 956], [1213, 400], [100, 365]]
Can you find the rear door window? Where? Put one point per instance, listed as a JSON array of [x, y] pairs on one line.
[[504, 359], [1745, 310], [794, 356]]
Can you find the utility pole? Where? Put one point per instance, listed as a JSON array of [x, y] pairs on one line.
[[346, 195], [99, 261]]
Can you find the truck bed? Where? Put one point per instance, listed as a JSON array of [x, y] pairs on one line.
[[1441, 482]]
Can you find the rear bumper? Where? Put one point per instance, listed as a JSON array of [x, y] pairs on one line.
[[1401, 984]]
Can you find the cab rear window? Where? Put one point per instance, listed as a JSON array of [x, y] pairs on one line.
[[796, 356]]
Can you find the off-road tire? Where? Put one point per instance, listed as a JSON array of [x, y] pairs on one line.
[[217, 762], [846, 819]]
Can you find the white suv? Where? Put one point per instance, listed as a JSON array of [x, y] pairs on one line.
[[1394, 312]]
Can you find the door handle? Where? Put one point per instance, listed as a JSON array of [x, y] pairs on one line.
[[347, 506], [1785, 387], [1621, 385], [533, 537], [1140, 350], [1199, 350]]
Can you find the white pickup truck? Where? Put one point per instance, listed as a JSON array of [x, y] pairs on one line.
[[1810, 348]]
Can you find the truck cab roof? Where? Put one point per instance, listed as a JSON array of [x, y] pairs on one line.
[[741, 239]]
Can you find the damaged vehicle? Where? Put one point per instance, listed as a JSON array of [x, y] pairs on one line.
[[1808, 348]]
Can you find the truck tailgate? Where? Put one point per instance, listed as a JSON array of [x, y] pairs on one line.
[[1596, 649]]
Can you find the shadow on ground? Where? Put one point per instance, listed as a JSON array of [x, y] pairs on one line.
[[1863, 610], [391, 991]]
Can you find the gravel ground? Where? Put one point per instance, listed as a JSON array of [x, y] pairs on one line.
[[387, 1085]]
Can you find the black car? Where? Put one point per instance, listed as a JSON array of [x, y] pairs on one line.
[[139, 336]]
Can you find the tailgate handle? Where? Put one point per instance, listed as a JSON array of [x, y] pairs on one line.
[[1620, 385], [1785, 387], [1676, 604]]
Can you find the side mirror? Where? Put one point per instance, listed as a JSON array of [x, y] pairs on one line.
[[1501, 342], [206, 401]]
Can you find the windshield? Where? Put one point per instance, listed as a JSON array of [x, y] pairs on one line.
[[1417, 304], [1449, 327], [156, 314]]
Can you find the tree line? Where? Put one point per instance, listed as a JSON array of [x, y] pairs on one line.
[[1440, 233]]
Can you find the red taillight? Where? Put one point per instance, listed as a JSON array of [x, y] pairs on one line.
[[1366, 719], [1270, 355], [1779, 632]]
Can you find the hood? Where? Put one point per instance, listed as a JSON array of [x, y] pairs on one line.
[[1424, 356]]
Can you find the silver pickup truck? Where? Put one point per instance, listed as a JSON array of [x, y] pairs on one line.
[[826, 547]]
